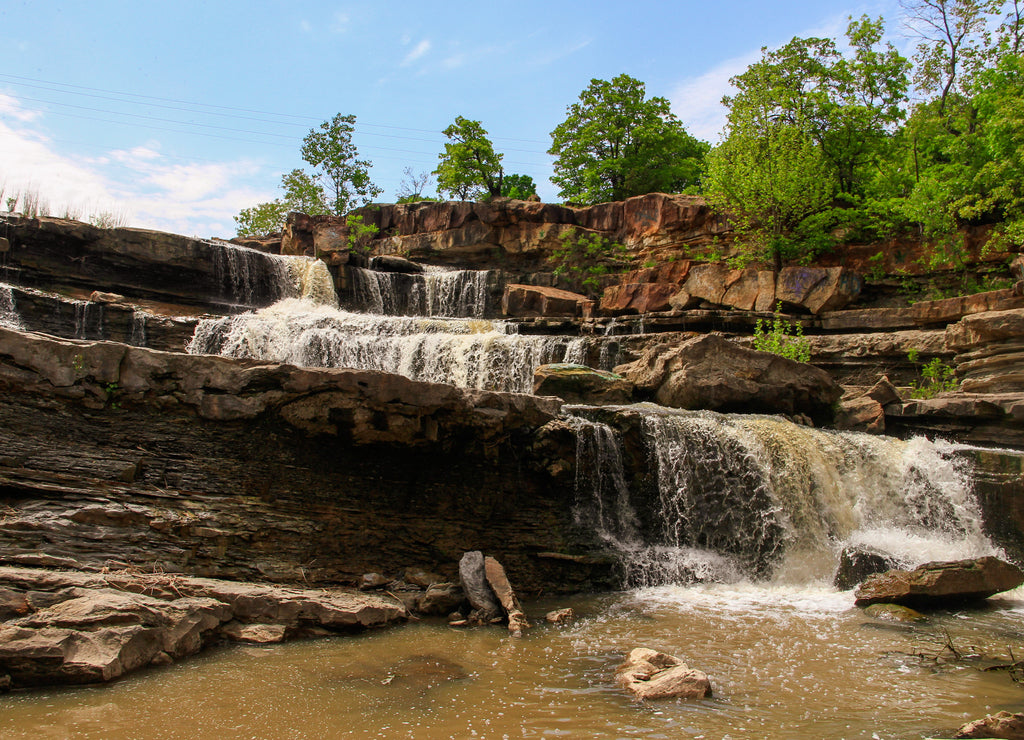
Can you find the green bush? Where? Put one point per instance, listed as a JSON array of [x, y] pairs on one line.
[[936, 377], [782, 337], [583, 258]]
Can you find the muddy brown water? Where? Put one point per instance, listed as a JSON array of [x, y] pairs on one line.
[[785, 662]]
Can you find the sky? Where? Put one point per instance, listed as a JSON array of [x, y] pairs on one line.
[[175, 116]]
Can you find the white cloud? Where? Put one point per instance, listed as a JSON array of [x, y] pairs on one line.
[[12, 108], [418, 51], [339, 22], [698, 101], [554, 55]]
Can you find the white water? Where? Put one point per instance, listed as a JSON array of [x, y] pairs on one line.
[[9, 317], [435, 292], [252, 277], [759, 497], [469, 353]]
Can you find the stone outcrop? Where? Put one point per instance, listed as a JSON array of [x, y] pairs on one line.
[[518, 234], [646, 290], [1003, 725], [73, 628], [942, 583], [865, 411], [68, 256], [535, 300], [581, 384], [710, 372], [990, 351], [254, 471], [649, 674]]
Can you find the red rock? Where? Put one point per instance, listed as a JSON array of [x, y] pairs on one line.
[[707, 282], [940, 584], [637, 298], [742, 289], [817, 289], [536, 300]]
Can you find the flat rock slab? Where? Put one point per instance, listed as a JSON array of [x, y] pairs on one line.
[[940, 584], [648, 674], [74, 627], [1005, 725]]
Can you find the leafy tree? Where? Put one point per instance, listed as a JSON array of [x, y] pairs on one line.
[[469, 167], [614, 143], [520, 187], [301, 194], [337, 169]]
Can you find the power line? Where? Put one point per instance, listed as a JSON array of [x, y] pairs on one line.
[[74, 90]]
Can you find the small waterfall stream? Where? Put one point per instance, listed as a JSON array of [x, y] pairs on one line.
[[252, 277], [9, 317], [759, 497], [434, 292]]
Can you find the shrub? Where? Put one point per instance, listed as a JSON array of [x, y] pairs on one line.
[[781, 337]]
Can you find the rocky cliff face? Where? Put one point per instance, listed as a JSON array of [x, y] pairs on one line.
[[121, 456]]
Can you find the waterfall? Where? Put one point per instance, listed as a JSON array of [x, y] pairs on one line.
[[470, 353], [9, 317], [435, 292], [733, 496], [137, 332], [89, 320], [251, 277]]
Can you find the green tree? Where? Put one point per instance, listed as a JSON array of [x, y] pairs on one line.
[[336, 167], [614, 144], [301, 194], [469, 167], [520, 187]]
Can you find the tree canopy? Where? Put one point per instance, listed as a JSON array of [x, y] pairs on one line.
[[469, 167], [615, 143]]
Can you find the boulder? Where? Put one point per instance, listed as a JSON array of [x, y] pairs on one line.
[[581, 384], [857, 563], [707, 282], [474, 583], [499, 583], [560, 616], [710, 372], [441, 599], [1004, 725], [990, 349], [941, 583], [818, 289], [648, 674], [865, 412], [532, 300]]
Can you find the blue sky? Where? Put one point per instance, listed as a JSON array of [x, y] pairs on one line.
[[177, 115]]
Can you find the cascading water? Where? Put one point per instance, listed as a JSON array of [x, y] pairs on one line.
[[759, 497], [470, 353], [252, 277], [9, 317], [434, 292]]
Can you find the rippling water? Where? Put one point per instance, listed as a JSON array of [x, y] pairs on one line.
[[785, 662]]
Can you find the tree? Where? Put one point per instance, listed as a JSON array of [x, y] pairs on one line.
[[520, 187], [469, 167], [301, 194], [410, 189], [614, 144], [336, 167]]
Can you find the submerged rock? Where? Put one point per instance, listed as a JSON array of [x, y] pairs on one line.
[[894, 613], [940, 584], [560, 616], [648, 674]]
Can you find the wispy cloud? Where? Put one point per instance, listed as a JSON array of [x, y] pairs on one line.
[[12, 108], [339, 22], [555, 54], [417, 51], [698, 100]]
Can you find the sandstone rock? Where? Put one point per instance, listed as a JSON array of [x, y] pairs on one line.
[[942, 583], [894, 613], [1004, 725], [765, 291], [637, 298], [98, 296], [255, 633], [707, 282], [991, 351], [683, 301], [560, 616], [394, 263], [532, 300], [818, 289], [648, 674], [857, 563], [710, 372], [422, 578], [441, 599], [581, 384], [499, 583], [370, 581], [862, 414], [474, 584], [742, 289]]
